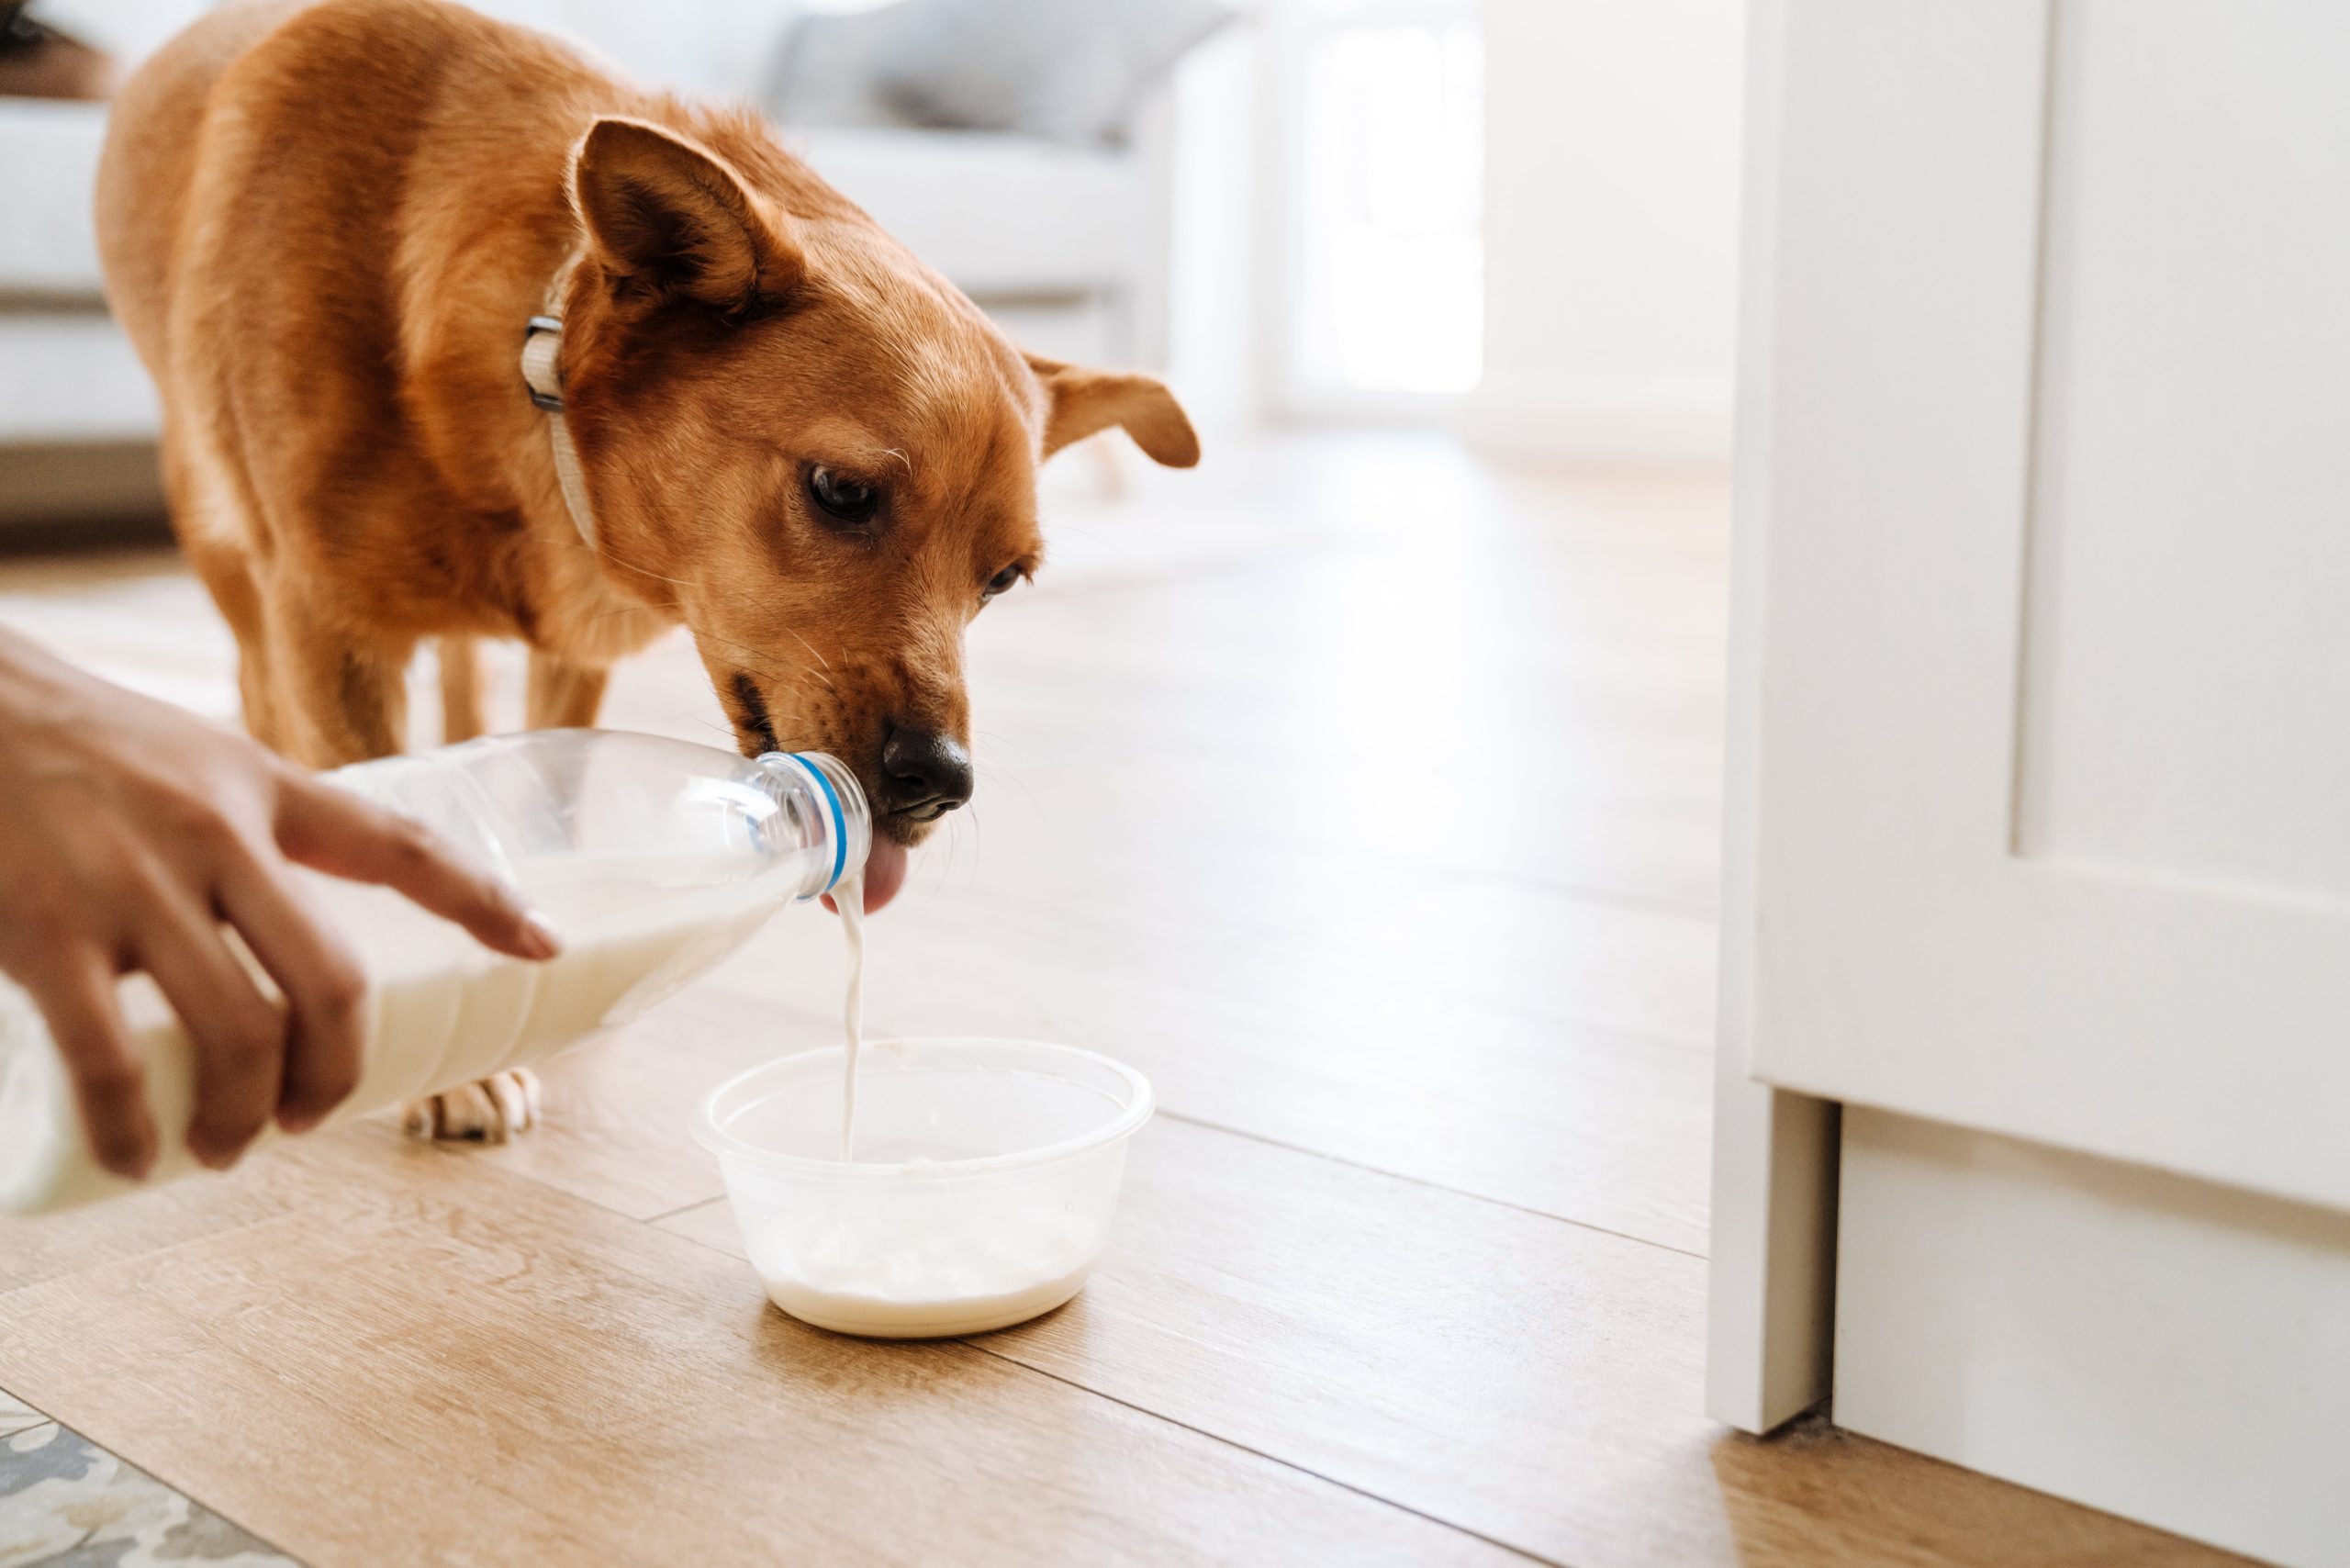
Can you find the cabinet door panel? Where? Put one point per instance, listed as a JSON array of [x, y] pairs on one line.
[[2055, 834]]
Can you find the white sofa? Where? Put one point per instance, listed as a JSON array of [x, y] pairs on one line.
[[1067, 245]]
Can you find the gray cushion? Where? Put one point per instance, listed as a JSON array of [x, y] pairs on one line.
[[48, 164], [1080, 211], [829, 67], [1071, 70]]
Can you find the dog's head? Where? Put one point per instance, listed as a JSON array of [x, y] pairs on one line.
[[814, 451]]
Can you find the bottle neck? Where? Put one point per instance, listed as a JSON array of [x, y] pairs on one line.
[[834, 819]]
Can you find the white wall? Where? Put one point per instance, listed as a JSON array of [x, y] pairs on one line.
[[1218, 272], [128, 30], [1611, 227]]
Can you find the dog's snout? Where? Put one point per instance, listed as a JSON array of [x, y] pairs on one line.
[[924, 773]]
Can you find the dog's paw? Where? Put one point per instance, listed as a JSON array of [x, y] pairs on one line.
[[488, 1110]]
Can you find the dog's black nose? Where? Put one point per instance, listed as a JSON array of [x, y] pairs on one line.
[[924, 773]]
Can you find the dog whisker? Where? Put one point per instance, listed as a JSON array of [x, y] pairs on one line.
[[1006, 775], [640, 571], [750, 660], [973, 822], [812, 654]]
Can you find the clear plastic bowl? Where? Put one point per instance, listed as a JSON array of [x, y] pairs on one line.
[[986, 1175]]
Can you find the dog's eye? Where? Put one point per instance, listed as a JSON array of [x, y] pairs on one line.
[[850, 500], [1004, 581]]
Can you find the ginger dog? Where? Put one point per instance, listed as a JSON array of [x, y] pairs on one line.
[[329, 228]]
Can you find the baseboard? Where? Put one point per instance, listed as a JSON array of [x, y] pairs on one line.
[[50, 486], [1665, 423], [2165, 1348]]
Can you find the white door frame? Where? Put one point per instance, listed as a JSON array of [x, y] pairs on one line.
[[1769, 1304]]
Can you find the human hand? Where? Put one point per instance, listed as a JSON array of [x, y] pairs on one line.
[[130, 832]]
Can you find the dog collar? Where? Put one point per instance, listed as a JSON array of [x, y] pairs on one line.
[[542, 374]]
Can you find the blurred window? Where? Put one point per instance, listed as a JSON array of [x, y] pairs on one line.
[[1383, 209]]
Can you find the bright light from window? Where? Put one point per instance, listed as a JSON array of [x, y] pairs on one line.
[[1392, 264]]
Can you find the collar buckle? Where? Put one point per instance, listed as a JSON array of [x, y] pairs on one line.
[[541, 373]]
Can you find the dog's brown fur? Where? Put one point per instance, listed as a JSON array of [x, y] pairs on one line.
[[324, 226]]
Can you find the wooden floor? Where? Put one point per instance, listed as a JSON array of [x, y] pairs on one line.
[[1362, 796]]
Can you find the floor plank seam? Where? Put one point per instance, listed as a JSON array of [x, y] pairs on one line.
[[1201, 1122], [1143, 1410], [1440, 873], [1138, 573], [1193, 1121], [1291, 1465], [1581, 1023], [1596, 893], [1693, 1044], [163, 1249], [1690, 1045], [576, 1195], [680, 1209], [705, 1246], [1686, 1045]]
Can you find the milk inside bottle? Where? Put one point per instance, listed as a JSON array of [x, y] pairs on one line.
[[654, 858]]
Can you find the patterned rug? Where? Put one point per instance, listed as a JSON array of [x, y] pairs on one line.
[[67, 1502]]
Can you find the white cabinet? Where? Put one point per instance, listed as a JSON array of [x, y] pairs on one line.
[[2040, 816], [2056, 769]]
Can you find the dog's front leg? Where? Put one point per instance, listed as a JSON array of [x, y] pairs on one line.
[[342, 691], [461, 710], [563, 695]]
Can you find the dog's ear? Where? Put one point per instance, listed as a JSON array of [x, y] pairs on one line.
[[1081, 401], [667, 213]]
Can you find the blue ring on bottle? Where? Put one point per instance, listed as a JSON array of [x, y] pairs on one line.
[[840, 821]]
